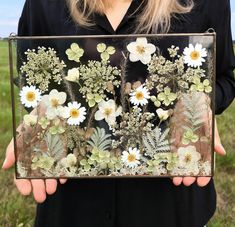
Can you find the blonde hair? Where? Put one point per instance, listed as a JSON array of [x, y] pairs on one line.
[[155, 16]]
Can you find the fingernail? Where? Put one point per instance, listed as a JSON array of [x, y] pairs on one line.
[[223, 149], [4, 163]]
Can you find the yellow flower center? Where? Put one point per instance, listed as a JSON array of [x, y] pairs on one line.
[[140, 49], [74, 113], [139, 95], [188, 158], [195, 55], [131, 158], [107, 111], [55, 102], [30, 96]]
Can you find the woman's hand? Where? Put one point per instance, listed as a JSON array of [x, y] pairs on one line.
[[39, 187], [202, 181]]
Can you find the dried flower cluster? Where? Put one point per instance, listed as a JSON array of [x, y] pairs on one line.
[[115, 127], [42, 67]]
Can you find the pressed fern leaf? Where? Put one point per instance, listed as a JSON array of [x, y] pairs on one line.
[[55, 146], [194, 109], [156, 141], [100, 139]]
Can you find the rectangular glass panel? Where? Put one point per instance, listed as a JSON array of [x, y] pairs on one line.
[[114, 106]]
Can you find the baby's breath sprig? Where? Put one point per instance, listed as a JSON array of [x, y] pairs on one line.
[[42, 67]]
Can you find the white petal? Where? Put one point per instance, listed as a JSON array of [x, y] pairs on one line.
[[141, 41], [134, 57], [198, 47], [99, 116], [145, 59], [62, 97], [131, 47], [150, 48], [118, 111]]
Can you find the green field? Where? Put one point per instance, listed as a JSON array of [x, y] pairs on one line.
[[18, 211]]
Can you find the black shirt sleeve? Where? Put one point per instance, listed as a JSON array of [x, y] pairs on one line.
[[220, 20]]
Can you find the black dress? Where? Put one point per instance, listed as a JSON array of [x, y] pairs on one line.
[[134, 202]]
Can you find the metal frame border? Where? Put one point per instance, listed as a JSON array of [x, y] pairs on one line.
[[13, 37]]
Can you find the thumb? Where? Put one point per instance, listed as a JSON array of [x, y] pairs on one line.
[[219, 149], [10, 156]]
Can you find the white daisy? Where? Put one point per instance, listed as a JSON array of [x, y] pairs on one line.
[[73, 75], [141, 50], [131, 157], [30, 96], [53, 102], [140, 96], [194, 55], [75, 113], [188, 156], [109, 111]]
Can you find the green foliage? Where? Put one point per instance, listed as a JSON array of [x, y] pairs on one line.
[[155, 141], [195, 107], [55, 146], [105, 51], [100, 140], [75, 52]]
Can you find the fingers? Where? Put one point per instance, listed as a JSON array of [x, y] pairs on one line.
[[177, 181], [10, 156], [63, 181], [51, 185], [203, 181], [39, 190], [187, 181], [23, 186]]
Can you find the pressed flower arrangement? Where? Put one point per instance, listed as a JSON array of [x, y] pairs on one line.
[[102, 108]]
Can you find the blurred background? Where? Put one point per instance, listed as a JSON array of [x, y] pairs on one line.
[[18, 211]]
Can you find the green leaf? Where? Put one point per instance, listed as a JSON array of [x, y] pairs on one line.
[[55, 146], [98, 98], [156, 141], [111, 50], [104, 56], [83, 162], [90, 96], [161, 96], [100, 140], [101, 47], [91, 103]]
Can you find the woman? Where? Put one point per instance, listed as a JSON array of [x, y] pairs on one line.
[[130, 202]]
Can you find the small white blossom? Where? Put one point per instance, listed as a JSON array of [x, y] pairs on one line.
[[141, 50], [73, 75], [30, 96], [75, 113], [194, 56], [140, 96], [131, 157], [109, 111], [54, 102]]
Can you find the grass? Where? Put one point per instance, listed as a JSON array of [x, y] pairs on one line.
[[19, 211]]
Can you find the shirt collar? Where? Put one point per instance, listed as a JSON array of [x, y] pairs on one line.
[[132, 12]]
